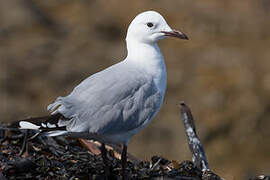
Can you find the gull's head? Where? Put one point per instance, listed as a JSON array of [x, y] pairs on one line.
[[150, 27]]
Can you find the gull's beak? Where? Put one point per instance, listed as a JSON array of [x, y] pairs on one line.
[[175, 33]]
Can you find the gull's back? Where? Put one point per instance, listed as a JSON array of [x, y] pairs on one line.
[[116, 102]]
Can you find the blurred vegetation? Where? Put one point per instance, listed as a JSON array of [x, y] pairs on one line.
[[222, 72]]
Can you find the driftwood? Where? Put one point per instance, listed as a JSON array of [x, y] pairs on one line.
[[198, 154], [195, 146]]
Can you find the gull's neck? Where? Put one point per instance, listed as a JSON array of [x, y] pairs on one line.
[[147, 56]]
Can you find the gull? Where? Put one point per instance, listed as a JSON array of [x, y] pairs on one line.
[[121, 100]]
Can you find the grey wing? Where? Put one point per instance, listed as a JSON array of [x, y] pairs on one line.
[[114, 100], [131, 112]]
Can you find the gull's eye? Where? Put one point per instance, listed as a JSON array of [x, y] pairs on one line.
[[150, 24]]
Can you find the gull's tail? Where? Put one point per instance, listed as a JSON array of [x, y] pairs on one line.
[[56, 125], [52, 125]]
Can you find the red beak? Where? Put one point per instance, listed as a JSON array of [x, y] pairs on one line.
[[175, 33]]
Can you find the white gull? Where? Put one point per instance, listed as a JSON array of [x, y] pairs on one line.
[[119, 101]]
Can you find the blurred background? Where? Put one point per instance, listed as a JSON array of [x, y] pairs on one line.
[[222, 72]]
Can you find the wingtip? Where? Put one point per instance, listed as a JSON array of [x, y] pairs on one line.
[[28, 125]]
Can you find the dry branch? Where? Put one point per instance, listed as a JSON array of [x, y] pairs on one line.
[[198, 154]]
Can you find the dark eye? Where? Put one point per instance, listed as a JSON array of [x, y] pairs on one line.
[[150, 24]]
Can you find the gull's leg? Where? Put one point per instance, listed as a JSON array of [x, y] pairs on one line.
[[25, 143], [124, 161], [105, 160]]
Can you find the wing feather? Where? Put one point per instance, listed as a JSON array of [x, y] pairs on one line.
[[114, 100]]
